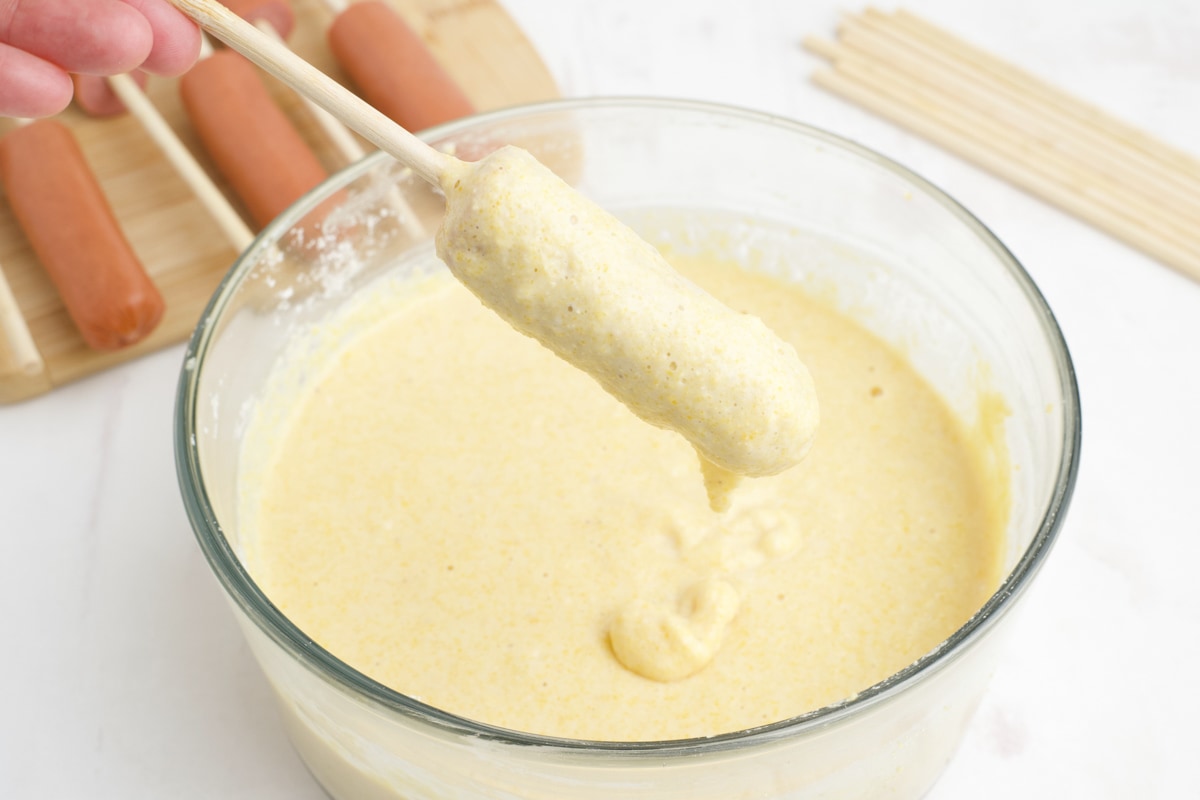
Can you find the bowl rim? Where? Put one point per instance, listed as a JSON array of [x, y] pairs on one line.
[[252, 602]]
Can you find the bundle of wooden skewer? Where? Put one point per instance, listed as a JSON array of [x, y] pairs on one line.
[[1002, 118]]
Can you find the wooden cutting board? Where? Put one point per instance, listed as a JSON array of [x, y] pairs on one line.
[[176, 239]]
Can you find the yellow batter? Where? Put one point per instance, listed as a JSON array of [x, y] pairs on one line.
[[456, 512]]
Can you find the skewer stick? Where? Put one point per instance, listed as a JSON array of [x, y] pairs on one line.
[[227, 218], [16, 332], [1131, 230], [206, 48]]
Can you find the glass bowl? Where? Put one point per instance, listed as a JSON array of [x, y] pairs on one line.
[[884, 245]]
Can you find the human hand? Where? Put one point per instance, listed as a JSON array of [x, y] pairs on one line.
[[43, 41]]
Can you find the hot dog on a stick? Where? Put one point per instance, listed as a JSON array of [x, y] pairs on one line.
[[251, 142], [392, 67], [76, 237]]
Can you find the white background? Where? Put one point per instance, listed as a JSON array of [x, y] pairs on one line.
[[122, 674]]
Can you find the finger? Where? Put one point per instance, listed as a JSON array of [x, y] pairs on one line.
[[95, 97], [176, 38], [31, 87], [92, 36]]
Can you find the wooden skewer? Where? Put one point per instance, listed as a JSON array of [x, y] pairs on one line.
[[949, 108], [278, 60], [1033, 108], [227, 218], [1063, 196], [16, 332], [22, 348]]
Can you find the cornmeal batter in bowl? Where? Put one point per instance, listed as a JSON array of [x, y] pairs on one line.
[[468, 571], [454, 511]]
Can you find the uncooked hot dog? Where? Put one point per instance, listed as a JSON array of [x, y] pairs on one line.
[[73, 231], [393, 69], [251, 141]]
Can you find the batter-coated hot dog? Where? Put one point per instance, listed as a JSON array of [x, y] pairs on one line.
[[71, 227], [561, 269], [393, 69], [250, 140], [276, 12]]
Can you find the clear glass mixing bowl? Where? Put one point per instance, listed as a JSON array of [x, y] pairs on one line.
[[883, 244]]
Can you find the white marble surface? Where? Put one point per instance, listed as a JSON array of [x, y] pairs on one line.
[[123, 674]]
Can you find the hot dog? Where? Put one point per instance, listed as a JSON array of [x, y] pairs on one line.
[[73, 231], [562, 270], [249, 139], [277, 13], [393, 69]]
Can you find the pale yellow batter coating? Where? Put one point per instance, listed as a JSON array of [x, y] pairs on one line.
[[563, 270], [461, 515]]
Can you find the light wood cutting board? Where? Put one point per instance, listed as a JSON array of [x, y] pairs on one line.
[[177, 241]]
